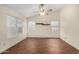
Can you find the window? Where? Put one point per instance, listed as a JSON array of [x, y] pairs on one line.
[[31, 26], [14, 26], [55, 26]]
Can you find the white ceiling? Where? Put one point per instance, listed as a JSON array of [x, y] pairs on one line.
[[29, 9]]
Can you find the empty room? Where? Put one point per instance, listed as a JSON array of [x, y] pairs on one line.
[[39, 29]]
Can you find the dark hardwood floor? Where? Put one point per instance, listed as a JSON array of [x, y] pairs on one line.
[[42, 46]]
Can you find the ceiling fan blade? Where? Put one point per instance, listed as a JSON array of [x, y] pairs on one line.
[[50, 10]]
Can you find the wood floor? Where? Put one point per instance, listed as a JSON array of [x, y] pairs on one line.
[[42, 46]]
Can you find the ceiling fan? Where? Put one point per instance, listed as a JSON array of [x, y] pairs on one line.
[[42, 11]]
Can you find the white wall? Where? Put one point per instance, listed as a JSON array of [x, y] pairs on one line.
[[5, 43], [69, 29], [44, 31]]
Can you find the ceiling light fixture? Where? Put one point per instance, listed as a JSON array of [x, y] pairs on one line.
[[42, 10]]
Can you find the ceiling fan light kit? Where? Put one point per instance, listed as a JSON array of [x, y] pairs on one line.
[[42, 13], [42, 10]]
